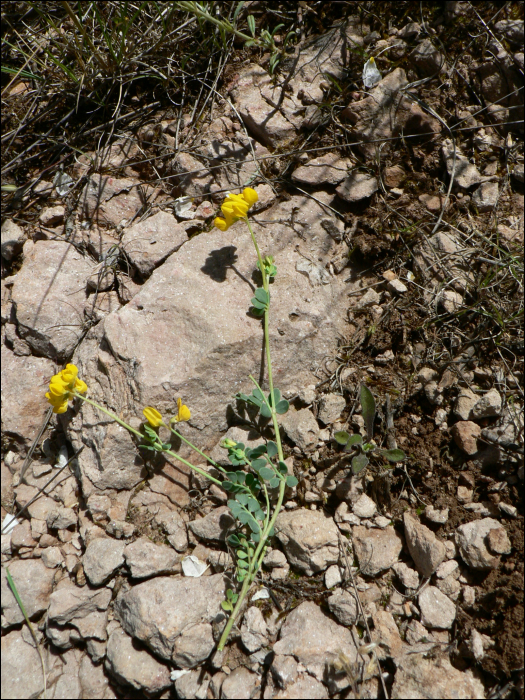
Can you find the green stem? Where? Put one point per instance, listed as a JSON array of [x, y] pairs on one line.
[[140, 435], [257, 558], [190, 444], [193, 7]]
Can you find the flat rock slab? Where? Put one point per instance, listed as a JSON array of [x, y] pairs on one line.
[[53, 272], [188, 333]]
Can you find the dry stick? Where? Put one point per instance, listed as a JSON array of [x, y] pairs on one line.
[[361, 610], [27, 460]]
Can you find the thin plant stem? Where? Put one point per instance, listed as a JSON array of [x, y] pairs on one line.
[[194, 447], [140, 435]]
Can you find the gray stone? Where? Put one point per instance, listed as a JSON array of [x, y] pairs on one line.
[[313, 639], [146, 559], [330, 408], [61, 519], [364, 507], [254, 633], [386, 635], [52, 271], [135, 667], [465, 402], [466, 173], [488, 405], [148, 243], [471, 542], [301, 427], [415, 672], [193, 646], [34, 583], [215, 526], [284, 670], [427, 58], [436, 516], [309, 538], [376, 550], [408, 577], [326, 169], [437, 610], [357, 186], [486, 196], [425, 549], [332, 576], [157, 611], [241, 683], [343, 607], [512, 30], [13, 238], [102, 558]]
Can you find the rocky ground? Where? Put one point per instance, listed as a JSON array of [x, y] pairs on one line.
[[395, 215]]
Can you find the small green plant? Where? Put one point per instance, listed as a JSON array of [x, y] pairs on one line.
[[265, 41], [256, 470], [364, 450]]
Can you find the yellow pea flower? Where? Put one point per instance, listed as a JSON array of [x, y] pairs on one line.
[[235, 207], [63, 387], [153, 417], [183, 413]]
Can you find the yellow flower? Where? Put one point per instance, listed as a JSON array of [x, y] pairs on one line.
[[183, 413], [153, 417], [63, 387], [236, 207]]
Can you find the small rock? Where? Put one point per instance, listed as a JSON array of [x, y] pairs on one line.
[[450, 300], [471, 542], [146, 559], [327, 169], [386, 635], [408, 577], [332, 577], [241, 683], [425, 549], [466, 174], [369, 298], [447, 568], [284, 670], [436, 609], [394, 176], [135, 667], [330, 408], [376, 550], [364, 507], [309, 538], [488, 405], [12, 239], [436, 516], [464, 494], [343, 607], [193, 646], [103, 556], [415, 672], [410, 31], [434, 393], [52, 216], [486, 196], [465, 434], [433, 203], [426, 375], [215, 526], [301, 427], [427, 58], [253, 630], [498, 541], [465, 402], [357, 187], [397, 287]]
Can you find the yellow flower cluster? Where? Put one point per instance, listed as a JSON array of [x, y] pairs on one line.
[[236, 207], [63, 386], [154, 417]]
